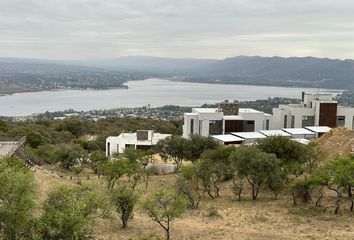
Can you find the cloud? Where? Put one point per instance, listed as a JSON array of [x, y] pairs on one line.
[[75, 29]]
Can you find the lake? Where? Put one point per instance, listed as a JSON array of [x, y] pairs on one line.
[[156, 92]]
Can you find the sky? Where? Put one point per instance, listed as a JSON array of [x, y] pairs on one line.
[[87, 29]]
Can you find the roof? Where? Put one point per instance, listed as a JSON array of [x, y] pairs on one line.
[[232, 117], [298, 131], [228, 138], [248, 110], [249, 135], [7, 148], [206, 110], [301, 140], [321, 129], [269, 133]]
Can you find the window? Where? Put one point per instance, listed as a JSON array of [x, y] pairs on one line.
[[129, 145], [267, 124], [353, 124], [192, 126], [248, 126], [340, 121], [308, 121], [215, 127], [292, 121], [109, 149], [285, 121]]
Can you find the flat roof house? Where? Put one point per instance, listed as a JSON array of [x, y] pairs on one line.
[[314, 110], [142, 139], [224, 120]]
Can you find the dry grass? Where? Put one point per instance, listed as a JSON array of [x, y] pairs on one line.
[[337, 142], [262, 219]]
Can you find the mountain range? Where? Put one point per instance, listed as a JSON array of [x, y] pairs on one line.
[[255, 70]]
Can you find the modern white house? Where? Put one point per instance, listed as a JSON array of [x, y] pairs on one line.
[[225, 119], [314, 110], [142, 139]]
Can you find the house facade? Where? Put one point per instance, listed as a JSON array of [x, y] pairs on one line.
[[314, 110], [142, 140], [225, 119]]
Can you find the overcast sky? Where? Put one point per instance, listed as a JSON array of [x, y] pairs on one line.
[[78, 29]]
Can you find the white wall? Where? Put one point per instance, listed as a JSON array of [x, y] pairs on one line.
[[349, 114]]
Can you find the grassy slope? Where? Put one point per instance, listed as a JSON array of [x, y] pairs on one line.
[[262, 219]]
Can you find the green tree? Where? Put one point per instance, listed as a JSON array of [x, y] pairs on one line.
[[199, 144], [17, 191], [98, 159], [175, 148], [259, 168], [292, 155], [124, 199], [338, 176], [213, 168], [4, 127], [69, 213], [71, 155], [164, 207], [188, 184]]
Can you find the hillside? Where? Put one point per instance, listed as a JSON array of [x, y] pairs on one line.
[[253, 220], [337, 142], [279, 71], [17, 75]]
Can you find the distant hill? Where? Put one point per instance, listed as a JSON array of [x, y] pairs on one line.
[[272, 71], [149, 64], [293, 71]]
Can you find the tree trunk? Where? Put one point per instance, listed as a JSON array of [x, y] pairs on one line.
[[338, 200], [350, 196], [318, 202], [294, 198]]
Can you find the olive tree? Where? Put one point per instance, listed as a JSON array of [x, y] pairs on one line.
[[164, 207]]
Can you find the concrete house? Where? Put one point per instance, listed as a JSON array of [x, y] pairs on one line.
[[142, 139], [224, 120], [314, 110]]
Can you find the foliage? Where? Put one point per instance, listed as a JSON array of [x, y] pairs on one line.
[[97, 161], [338, 176], [213, 168], [257, 167], [164, 207], [198, 144], [16, 200], [175, 148], [71, 155], [188, 184], [123, 199], [69, 213]]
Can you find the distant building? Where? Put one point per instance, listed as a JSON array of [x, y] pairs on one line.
[[314, 110], [225, 119], [142, 139], [14, 147]]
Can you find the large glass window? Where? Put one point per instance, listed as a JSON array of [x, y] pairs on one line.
[[292, 121]]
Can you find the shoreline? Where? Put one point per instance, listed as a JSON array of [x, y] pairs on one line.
[[172, 79]]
